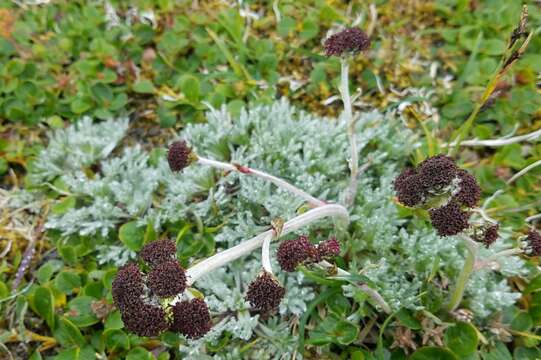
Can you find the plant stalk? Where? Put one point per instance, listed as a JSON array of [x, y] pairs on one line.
[[263, 175], [467, 269]]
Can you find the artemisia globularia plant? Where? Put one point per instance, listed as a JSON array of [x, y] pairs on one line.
[[158, 294]]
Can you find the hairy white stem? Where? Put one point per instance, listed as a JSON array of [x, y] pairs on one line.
[[348, 114], [506, 252], [265, 254], [524, 171], [374, 295], [533, 218], [263, 175], [499, 142], [224, 257]]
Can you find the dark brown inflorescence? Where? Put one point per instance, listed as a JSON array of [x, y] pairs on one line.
[[409, 189], [470, 192], [265, 293], [128, 287], [179, 155], [158, 252], [449, 219], [437, 172], [291, 253], [167, 279], [351, 40], [488, 235], [328, 248], [191, 318], [144, 319], [534, 243]]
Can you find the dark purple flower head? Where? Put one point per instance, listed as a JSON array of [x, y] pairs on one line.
[[167, 279], [409, 190], [351, 40], [437, 172], [179, 155], [294, 252], [404, 175], [449, 219], [157, 252], [534, 243], [265, 293], [127, 287], [489, 234], [328, 248], [470, 192], [144, 319], [191, 318]]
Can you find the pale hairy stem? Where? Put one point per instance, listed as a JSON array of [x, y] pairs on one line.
[[372, 293], [263, 175], [265, 254], [467, 269], [524, 171], [499, 142], [348, 114], [246, 247]]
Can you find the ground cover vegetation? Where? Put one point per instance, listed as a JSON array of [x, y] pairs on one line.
[[270, 179]]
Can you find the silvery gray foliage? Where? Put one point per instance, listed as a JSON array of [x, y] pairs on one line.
[[308, 151]]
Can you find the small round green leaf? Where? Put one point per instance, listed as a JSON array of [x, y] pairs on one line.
[[433, 353], [462, 339], [132, 235]]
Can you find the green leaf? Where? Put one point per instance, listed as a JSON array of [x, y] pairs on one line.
[[499, 352], [462, 339], [80, 311], [522, 321], [139, 353], [68, 334], [132, 235], [114, 321], [42, 302], [408, 320], [433, 353], [116, 339], [333, 330], [190, 86], [144, 87], [80, 105], [67, 281], [534, 285], [85, 353]]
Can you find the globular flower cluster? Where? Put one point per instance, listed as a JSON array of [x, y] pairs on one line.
[[489, 234], [191, 318], [265, 293], [436, 177], [533, 241], [137, 295], [292, 253], [179, 156], [351, 40]]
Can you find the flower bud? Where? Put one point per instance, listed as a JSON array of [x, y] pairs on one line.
[[157, 252], [470, 192], [179, 155], [534, 243], [191, 318], [449, 219], [167, 279], [265, 293], [291, 253], [351, 40], [437, 172]]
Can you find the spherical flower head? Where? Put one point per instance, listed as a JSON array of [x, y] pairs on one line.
[[437, 172], [534, 243], [449, 219], [128, 287], [328, 248], [409, 190], [157, 252], [404, 175], [470, 192], [351, 40], [191, 318], [179, 156], [167, 279], [145, 319], [265, 293], [292, 253], [488, 235]]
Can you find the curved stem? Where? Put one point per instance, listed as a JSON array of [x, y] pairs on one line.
[[263, 175], [265, 254], [467, 269], [224, 257]]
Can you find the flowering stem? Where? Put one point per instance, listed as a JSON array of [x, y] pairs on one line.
[[263, 175], [467, 269], [224, 257], [265, 254], [348, 113]]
